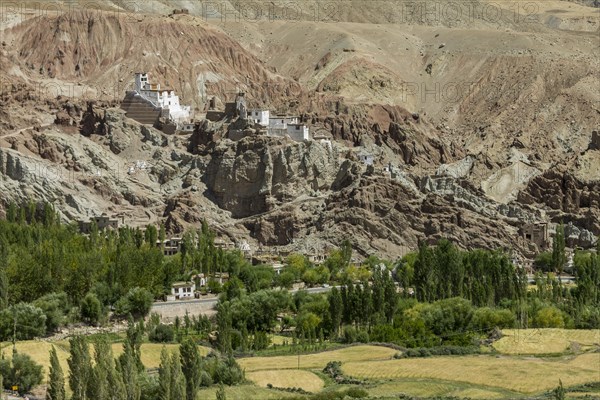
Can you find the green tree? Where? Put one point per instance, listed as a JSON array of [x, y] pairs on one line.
[[91, 309], [56, 381], [559, 392], [164, 376], [559, 257], [129, 371], [549, 317], [30, 322], [137, 302], [224, 326], [100, 376], [335, 310], [178, 383], [21, 371], [191, 366], [79, 366], [221, 392]]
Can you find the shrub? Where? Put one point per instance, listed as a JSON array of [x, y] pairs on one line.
[[333, 369], [362, 336], [357, 393], [162, 334], [20, 371], [91, 309], [549, 317], [30, 320], [350, 335]]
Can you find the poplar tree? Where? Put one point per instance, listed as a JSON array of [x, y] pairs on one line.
[[164, 376], [224, 326], [56, 384], [129, 372], [178, 383], [99, 386], [221, 392], [559, 257], [335, 310], [191, 366], [80, 367]]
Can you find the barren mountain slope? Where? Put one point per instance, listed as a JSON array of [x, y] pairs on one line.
[[474, 116]]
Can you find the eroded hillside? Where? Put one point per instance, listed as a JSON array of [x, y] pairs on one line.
[[486, 122]]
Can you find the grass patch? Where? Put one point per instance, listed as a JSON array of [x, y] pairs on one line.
[[545, 341], [318, 360], [290, 378], [523, 375]]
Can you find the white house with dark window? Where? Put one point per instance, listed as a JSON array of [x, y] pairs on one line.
[[298, 132], [365, 157], [183, 290], [260, 117]]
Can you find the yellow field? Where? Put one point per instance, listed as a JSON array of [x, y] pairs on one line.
[[244, 392], [434, 387], [544, 341], [319, 360], [525, 375], [287, 379], [39, 351], [151, 352]]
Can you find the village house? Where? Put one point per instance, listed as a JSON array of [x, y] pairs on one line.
[[102, 222], [183, 290], [536, 233], [277, 267], [316, 258], [245, 248], [170, 246], [200, 280]]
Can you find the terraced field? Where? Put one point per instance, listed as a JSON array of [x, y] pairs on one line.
[[519, 374], [39, 351], [437, 387], [244, 392], [287, 379], [318, 360], [545, 341]]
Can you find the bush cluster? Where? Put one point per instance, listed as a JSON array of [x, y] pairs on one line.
[[438, 351]]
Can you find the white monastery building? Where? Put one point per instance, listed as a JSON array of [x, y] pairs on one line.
[[163, 98]]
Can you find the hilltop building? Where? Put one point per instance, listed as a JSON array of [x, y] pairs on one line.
[[148, 103], [260, 120]]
